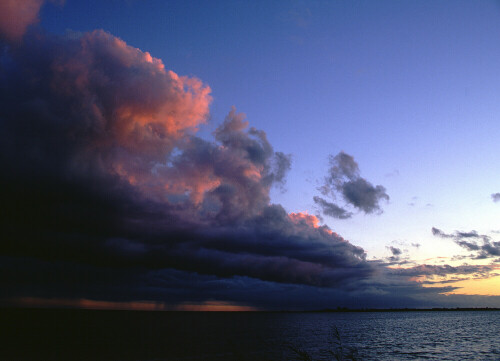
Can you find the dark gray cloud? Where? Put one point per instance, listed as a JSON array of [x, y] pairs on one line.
[[495, 197], [396, 255], [72, 280], [331, 209], [437, 232], [482, 271], [282, 164], [395, 251], [469, 241], [344, 181], [363, 195], [104, 177]]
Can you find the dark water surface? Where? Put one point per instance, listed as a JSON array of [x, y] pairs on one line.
[[128, 335]]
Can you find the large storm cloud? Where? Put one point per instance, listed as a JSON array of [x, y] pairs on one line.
[[104, 177]]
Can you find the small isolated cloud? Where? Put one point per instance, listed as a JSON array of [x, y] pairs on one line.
[[394, 173], [439, 233], [396, 255], [469, 241], [344, 181], [495, 197], [395, 251], [413, 201]]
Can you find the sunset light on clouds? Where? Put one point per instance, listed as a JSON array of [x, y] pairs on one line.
[[300, 156]]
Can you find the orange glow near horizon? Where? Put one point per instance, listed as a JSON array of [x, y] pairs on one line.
[[214, 306], [489, 286], [87, 304], [483, 287], [129, 306]]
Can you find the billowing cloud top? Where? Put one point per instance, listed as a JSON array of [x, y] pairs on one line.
[[16, 16]]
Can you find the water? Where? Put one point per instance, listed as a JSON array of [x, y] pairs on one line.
[[119, 335]]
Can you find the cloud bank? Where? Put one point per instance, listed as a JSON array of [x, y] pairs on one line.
[[104, 178]]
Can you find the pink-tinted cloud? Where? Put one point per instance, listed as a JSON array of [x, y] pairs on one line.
[[16, 16], [309, 219], [132, 110]]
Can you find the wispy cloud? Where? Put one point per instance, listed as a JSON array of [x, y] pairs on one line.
[[469, 241], [495, 197]]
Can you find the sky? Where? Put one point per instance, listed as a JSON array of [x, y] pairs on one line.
[[237, 155]]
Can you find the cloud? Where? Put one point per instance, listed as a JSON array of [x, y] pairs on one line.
[[16, 16], [109, 195], [395, 251], [437, 232], [395, 257], [331, 209], [394, 173], [282, 164], [344, 181], [104, 178], [443, 270], [495, 197], [468, 240]]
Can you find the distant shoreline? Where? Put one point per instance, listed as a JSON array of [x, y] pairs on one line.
[[409, 309], [333, 310]]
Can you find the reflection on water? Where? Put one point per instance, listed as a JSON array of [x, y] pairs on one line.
[[121, 335]]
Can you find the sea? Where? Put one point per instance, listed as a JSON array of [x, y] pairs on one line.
[[49, 334]]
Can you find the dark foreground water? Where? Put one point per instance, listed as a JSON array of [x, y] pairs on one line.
[[122, 335]]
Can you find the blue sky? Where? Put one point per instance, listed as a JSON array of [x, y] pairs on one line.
[[410, 90]]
